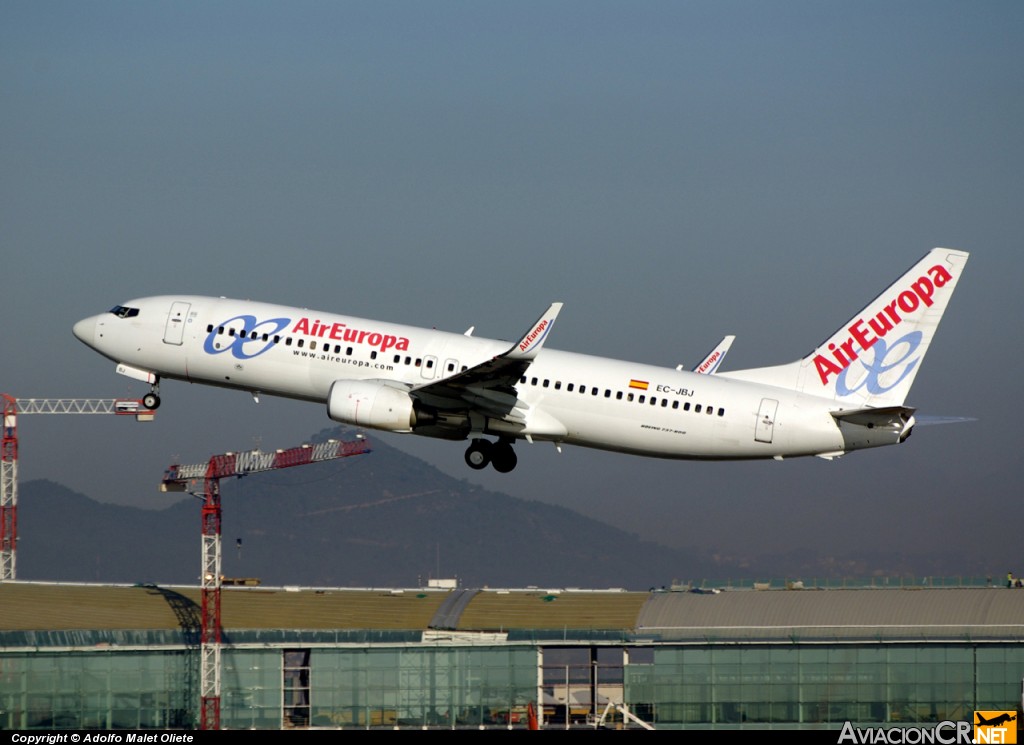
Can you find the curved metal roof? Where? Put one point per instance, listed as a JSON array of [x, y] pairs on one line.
[[839, 615], [777, 616]]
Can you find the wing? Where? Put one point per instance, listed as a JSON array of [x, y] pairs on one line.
[[490, 387]]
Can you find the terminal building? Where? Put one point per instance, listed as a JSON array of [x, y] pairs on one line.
[[127, 657]]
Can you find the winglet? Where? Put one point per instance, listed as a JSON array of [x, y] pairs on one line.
[[528, 347], [710, 364]]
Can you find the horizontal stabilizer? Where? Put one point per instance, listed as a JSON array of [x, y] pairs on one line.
[[923, 421], [871, 427], [893, 417]]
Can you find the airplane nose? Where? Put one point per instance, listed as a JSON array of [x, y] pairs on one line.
[[85, 330]]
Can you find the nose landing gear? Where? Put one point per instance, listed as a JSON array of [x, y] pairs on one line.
[[499, 454], [152, 399]]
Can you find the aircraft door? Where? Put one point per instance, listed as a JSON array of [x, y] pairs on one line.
[[765, 427], [175, 330]]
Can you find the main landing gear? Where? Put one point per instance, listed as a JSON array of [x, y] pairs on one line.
[[499, 454]]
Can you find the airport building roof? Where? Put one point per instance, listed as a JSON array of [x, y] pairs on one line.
[[37, 611]]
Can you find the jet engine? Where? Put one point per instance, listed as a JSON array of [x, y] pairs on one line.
[[370, 403]]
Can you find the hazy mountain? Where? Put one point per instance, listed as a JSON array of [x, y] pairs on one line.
[[390, 519], [383, 519]]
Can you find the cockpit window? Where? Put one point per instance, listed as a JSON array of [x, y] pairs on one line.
[[122, 311]]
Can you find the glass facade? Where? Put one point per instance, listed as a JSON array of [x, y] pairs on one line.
[[461, 686], [824, 685], [670, 686], [97, 690]]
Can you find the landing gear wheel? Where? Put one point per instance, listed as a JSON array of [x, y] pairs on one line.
[[478, 454], [151, 401], [503, 457]]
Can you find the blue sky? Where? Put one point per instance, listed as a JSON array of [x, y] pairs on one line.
[[671, 171]]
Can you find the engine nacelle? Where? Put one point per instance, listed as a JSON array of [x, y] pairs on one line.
[[368, 403]]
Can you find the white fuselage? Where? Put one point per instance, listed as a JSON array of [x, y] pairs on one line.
[[568, 398]]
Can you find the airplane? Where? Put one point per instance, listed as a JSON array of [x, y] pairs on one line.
[[847, 394], [1003, 718]]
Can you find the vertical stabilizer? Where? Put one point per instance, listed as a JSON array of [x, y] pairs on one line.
[[873, 358]]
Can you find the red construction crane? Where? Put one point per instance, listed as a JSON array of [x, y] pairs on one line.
[[9, 455], [183, 478]]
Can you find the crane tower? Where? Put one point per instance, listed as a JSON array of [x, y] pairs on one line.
[[180, 478]]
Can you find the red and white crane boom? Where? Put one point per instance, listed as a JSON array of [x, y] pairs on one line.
[[9, 455]]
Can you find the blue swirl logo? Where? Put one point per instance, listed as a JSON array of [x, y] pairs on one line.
[[248, 342], [904, 348]]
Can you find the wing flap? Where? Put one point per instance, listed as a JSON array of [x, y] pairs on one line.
[[496, 403]]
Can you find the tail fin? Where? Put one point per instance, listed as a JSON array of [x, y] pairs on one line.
[[873, 358]]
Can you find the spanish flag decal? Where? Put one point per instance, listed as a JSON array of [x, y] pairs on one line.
[[639, 384]]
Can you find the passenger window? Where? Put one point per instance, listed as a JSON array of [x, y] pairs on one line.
[[697, 408], [721, 412]]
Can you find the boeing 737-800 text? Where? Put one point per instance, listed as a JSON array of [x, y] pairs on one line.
[[847, 394]]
